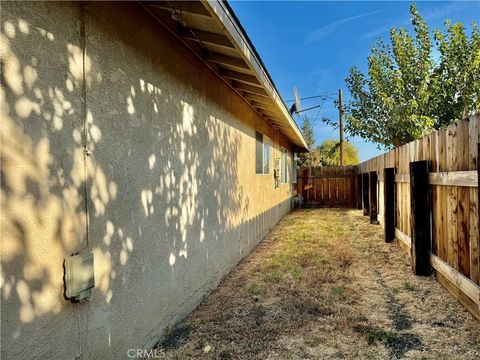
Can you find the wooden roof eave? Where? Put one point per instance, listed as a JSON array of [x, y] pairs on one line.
[[220, 42]]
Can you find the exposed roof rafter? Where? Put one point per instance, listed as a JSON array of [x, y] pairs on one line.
[[207, 37], [226, 60], [250, 89], [213, 32], [258, 98], [264, 106], [240, 77], [188, 7], [268, 113]]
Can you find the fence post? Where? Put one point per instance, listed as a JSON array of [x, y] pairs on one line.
[[365, 187], [373, 198], [420, 217], [389, 203], [359, 192], [305, 182], [478, 207]]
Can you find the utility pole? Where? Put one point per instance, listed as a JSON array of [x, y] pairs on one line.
[[340, 114]]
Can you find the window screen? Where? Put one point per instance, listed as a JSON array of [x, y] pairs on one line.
[[262, 154], [258, 153], [266, 158]]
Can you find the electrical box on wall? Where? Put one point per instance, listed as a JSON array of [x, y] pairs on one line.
[[276, 172], [79, 276]]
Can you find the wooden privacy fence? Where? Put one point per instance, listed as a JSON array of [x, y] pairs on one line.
[[425, 194], [327, 186]]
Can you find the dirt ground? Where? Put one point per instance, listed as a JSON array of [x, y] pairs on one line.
[[324, 285]]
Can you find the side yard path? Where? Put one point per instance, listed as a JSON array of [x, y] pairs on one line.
[[324, 285]]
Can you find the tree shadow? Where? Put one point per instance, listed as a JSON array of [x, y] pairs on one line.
[[126, 150]]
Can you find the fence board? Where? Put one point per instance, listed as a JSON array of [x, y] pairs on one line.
[[327, 185], [452, 227], [473, 237], [455, 178], [462, 232], [452, 153], [444, 222]]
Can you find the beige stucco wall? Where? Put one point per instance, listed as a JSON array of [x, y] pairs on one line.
[[172, 199]]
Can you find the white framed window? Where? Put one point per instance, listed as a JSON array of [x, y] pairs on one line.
[[262, 154], [284, 166]]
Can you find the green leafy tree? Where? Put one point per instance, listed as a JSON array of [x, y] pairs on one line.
[[308, 159], [457, 78], [329, 153], [405, 94]]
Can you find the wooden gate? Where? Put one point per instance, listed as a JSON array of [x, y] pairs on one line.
[[327, 186]]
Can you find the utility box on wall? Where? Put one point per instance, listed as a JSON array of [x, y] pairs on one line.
[[276, 172], [79, 276]]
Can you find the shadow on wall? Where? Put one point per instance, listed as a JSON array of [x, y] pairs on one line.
[[158, 187]]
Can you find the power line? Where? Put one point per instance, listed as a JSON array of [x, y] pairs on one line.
[[318, 112], [312, 97]]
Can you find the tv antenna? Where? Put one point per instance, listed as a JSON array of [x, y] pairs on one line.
[[297, 106]]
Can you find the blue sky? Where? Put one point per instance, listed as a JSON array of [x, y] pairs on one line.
[[312, 45]]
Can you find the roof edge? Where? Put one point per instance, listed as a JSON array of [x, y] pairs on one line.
[[237, 34]]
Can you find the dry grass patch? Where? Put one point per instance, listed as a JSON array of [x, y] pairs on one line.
[[324, 285]]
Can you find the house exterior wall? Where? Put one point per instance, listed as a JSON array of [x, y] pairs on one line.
[[166, 196]]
